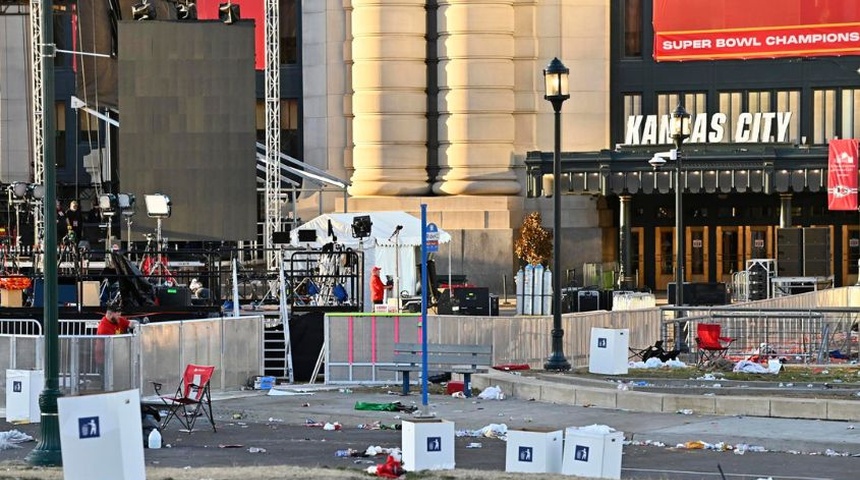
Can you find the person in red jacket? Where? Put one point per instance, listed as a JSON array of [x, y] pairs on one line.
[[113, 323], [377, 288]]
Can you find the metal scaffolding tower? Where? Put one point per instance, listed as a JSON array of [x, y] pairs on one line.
[[272, 217]]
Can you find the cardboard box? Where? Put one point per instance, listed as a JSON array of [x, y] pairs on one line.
[[428, 444], [534, 451], [11, 298]]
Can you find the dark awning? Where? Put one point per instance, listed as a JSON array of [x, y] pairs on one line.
[[710, 168]]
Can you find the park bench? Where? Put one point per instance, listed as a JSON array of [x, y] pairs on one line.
[[461, 359]]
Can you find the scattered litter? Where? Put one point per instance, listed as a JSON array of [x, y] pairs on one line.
[[347, 453], [237, 416], [332, 426], [492, 393], [597, 429], [493, 430], [12, 438], [277, 391], [233, 445], [306, 404], [390, 469], [623, 387], [309, 422], [345, 390], [474, 445], [511, 367], [685, 411], [275, 420], [458, 395], [385, 407], [707, 376], [655, 362], [256, 450], [747, 366]]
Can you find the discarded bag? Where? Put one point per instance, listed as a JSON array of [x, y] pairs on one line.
[[385, 407]]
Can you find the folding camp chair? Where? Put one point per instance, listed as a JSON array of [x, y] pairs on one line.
[[191, 399], [711, 346]]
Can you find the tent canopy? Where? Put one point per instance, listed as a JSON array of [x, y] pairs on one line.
[[383, 227]]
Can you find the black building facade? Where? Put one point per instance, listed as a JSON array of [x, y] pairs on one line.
[[753, 174]]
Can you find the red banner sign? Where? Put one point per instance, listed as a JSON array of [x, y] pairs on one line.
[[842, 175], [743, 29]]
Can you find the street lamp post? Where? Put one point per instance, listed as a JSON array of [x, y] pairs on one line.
[[556, 91], [47, 451]]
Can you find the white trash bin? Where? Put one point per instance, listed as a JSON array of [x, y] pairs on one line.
[[534, 451], [608, 352], [22, 395], [592, 453], [427, 445]]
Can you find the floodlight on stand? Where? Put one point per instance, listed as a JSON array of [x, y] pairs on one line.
[[142, 11], [108, 204], [126, 204], [228, 13], [158, 205], [361, 226], [36, 191], [18, 190]]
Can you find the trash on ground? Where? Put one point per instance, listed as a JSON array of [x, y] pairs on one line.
[[685, 411], [309, 422], [492, 393], [597, 429], [511, 367], [349, 452], [332, 426], [493, 430], [385, 407], [392, 468], [256, 450], [277, 391], [12, 439], [458, 395], [474, 445], [231, 445], [655, 362], [747, 366]]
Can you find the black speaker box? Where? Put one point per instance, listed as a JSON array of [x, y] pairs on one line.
[[789, 252], [816, 252], [281, 238], [689, 293], [473, 300], [179, 296], [587, 300]]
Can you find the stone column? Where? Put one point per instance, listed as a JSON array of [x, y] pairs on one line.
[[389, 101], [476, 98]]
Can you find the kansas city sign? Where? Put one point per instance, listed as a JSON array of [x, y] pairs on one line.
[[760, 127]]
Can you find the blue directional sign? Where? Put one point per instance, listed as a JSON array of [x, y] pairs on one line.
[[432, 234]]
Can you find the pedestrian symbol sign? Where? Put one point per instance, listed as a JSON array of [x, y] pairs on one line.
[[432, 236]]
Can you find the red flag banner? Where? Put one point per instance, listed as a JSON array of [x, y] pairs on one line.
[[741, 29], [842, 175]]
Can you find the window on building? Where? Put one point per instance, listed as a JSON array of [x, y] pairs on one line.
[[823, 115], [695, 103], [60, 135], [850, 114], [632, 104], [632, 28], [789, 101], [289, 126], [731, 105], [289, 29]]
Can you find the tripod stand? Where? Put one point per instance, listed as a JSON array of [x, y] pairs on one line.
[[154, 263]]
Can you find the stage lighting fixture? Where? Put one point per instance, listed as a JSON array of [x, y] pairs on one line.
[[142, 11], [126, 204], [158, 205], [228, 13], [36, 191], [186, 11], [361, 226], [18, 190], [108, 204]]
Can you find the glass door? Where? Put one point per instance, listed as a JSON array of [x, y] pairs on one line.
[[730, 258], [758, 243], [850, 254], [637, 255], [697, 253], [664, 252]]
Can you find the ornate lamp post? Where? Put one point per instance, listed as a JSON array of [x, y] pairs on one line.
[[48, 452], [679, 130], [556, 91]]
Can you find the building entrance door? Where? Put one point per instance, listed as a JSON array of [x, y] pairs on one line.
[[730, 257], [664, 255], [697, 251], [637, 255], [850, 254], [758, 242]]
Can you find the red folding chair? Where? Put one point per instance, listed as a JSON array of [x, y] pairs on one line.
[[711, 345], [192, 398]]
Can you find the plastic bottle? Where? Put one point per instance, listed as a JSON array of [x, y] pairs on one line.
[[154, 440]]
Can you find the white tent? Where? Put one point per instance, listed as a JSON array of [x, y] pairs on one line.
[[380, 249]]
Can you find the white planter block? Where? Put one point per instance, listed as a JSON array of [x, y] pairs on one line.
[[22, 395], [534, 451], [428, 445], [592, 455], [608, 352]]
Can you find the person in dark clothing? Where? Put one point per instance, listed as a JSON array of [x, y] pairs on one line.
[[656, 351], [74, 221]]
